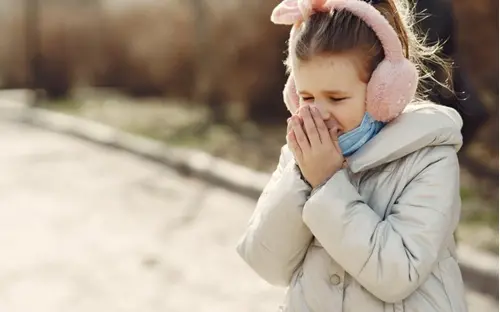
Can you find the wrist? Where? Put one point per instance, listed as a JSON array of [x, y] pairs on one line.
[[318, 183], [302, 177], [313, 183]]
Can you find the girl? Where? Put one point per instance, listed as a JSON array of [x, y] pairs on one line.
[[361, 210]]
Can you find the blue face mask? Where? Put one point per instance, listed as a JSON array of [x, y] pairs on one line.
[[351, 141]]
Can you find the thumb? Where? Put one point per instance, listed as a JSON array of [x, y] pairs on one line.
[[335, 138], [333, 134]]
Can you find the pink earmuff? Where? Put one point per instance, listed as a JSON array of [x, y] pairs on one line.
[[393, 83]]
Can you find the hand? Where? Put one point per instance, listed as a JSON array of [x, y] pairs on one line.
[[315, 148]]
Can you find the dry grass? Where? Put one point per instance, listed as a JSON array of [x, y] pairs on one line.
[[179, 122], [258, 146]]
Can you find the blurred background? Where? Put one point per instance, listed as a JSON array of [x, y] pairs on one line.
[[208, 74]]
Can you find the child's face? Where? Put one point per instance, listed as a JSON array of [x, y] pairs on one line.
[[332, 83]]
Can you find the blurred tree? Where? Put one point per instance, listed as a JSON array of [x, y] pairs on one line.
[[32, 36], [438, 24], [204, 64]]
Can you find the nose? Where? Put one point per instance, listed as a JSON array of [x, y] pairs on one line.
[[323, 112], [328, 117]]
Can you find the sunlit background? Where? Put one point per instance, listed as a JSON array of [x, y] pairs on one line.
[[203, 74]]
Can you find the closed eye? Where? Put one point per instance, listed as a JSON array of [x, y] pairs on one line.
[[338, 99], [307, 98]]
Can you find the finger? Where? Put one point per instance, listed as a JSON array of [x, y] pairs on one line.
[[335, 139], [300, 135], [288, 131], [293, 145], [324, 136], [310, 126], [288, 125], [289, 122], [333, 133], [332, 122]]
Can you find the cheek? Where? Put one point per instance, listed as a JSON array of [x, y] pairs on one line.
[[350, 114]]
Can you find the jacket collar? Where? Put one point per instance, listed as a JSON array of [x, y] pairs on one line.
[[419, 126]]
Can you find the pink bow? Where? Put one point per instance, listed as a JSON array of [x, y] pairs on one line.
[[289, 12]]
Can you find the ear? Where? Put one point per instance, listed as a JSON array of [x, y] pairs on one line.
[[287, 13]]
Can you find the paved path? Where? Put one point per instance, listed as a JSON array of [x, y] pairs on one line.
[[88, 229]]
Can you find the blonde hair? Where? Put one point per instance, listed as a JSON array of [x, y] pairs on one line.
[[339, 32]]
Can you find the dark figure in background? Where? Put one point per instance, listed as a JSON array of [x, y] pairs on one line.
[[439, 26]]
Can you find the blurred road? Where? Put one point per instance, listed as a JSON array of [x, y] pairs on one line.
[[85, 228]]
